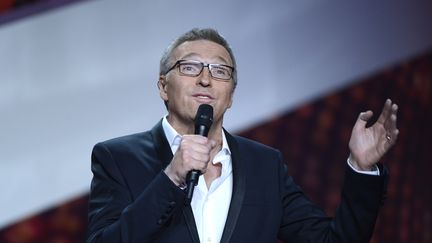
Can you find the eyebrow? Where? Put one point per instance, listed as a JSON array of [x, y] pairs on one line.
[[193, 54]]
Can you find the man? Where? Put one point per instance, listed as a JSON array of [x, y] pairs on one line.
[[244, 193]]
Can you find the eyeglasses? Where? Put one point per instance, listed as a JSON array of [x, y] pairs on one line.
[[194, 68]]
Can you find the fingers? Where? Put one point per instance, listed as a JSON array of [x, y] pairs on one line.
[[195, 151], [196, 143], [193, 154], [390, 125], [386, 112], [387, 119]]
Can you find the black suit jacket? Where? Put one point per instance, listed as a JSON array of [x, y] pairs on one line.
[[132, 199]]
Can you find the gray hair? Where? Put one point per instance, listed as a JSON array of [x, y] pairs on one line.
[[209, 34]]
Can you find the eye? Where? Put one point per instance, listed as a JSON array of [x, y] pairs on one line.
[[190, 68], [221, 72]]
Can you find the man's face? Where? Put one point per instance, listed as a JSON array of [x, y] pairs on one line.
[[184, 94]]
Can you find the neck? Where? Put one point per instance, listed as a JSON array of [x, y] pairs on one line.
[[182, 126], [215, 133], [188, 127]]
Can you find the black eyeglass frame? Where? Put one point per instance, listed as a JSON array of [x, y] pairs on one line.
[[203, 65]]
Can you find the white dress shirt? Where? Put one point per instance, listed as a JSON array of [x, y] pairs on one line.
[[375, 171], [209, 205]]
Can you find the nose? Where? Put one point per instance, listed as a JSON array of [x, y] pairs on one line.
[[205, 78]]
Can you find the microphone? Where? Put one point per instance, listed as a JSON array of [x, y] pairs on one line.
[[203, 122]]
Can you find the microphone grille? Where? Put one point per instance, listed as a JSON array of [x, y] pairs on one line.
[[204, 115]]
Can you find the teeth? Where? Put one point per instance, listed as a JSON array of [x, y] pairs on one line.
[[203, 97]]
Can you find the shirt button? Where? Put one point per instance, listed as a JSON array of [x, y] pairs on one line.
[[209, 239]]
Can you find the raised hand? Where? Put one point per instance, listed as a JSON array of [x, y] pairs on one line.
[[368, 145]]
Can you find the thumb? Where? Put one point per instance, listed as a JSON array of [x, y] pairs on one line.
[[362, 119]]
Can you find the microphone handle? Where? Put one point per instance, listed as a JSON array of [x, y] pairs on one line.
[[191, 181]]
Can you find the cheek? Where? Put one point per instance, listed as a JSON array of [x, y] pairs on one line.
[[224, 103], [178, 96], [229, 99], [172, 91]]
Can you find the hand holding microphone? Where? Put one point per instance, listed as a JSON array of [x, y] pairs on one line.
[[203, 122], [193, 155]]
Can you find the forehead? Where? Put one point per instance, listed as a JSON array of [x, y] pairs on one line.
[[202, 50]]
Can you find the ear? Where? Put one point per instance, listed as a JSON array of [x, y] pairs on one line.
[[162, 85]]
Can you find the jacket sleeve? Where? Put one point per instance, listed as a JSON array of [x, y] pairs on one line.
[[114, 216], [302, 221]]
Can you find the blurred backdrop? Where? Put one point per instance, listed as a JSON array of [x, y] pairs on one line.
[[73, 73]]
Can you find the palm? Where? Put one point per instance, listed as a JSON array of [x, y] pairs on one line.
[[368, 145]]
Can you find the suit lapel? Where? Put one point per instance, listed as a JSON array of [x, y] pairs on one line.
[[190, 221], [162, 147], [165, 155], [239, 186]]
